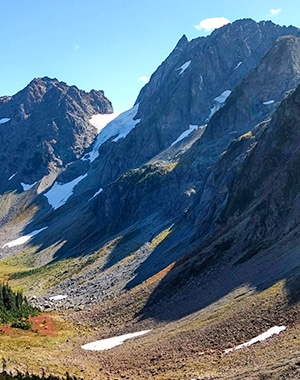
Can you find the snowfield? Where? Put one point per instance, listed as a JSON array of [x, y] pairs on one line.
[[237, 66], [101, 120], [108, 125], [26, 186], [23, 239], [61, 192], [97, 192], [12, 176], [219, 102], [59, 297], [187, 132], [117, 127], [107, 344]]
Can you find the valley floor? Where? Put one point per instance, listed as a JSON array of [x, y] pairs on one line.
[[189, 348]]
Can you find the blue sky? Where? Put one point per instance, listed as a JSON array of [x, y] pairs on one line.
[[110, 45]]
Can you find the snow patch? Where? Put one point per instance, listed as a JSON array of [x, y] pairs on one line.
[[269, 102], [26, 186], [97, 192], [58, 297], [107, 344], [272, 331], [119, 127], [61, 192], [186, 133], [219, 102], [12, 176], [24, 239], [4, 120], [237, 66], [221, 99], [184, 67]]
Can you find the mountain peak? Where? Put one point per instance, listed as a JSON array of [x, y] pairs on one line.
[[44, 79], [48, 126], [182, 42]]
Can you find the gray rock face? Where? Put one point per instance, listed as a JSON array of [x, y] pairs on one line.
[[48, 127], [261, 91], [252, 102], [184, 89], [248, 232], [269, 192]]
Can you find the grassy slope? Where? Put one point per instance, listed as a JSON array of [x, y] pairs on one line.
[[192, 347]]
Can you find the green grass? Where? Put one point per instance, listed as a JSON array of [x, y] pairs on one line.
[[23, 274]]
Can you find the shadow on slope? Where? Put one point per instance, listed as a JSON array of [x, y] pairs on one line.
[[164, 249], [212, 271]]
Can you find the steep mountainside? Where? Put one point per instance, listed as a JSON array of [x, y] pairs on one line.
[[186, 90], [177, 185], [252, 102], [256, 234]]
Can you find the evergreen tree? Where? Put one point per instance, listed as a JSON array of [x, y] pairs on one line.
[[14, 308]]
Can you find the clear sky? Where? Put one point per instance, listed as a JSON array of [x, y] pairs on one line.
[[110, 45]]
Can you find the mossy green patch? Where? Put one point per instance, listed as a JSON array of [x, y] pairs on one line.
[[42, 278]]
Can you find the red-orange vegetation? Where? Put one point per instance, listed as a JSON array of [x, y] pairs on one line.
[[44, 324], [160, 275]]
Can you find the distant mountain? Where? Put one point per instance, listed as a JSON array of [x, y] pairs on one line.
[[173, 181], [44, 127]]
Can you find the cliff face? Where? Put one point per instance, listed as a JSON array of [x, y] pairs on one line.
[[194, 183], [267, 186], [185, 87], [244, 116], [248, 231]]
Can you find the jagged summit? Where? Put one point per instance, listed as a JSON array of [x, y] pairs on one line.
[[216, 63], [36, 90], [182, 42], [47, 126]]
